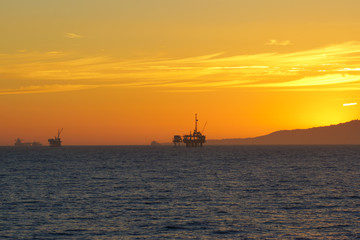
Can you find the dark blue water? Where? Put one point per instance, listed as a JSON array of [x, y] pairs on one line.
[[299, 192]]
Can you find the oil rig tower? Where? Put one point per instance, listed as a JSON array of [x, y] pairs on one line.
[[56, 141], [196, 139]]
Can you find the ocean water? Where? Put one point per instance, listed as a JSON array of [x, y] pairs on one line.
[[143, 192]]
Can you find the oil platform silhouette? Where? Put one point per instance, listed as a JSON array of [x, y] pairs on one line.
[[20, 143], [196, 139], [56, 141]]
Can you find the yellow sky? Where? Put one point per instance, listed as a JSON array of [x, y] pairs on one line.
[[129, 72]]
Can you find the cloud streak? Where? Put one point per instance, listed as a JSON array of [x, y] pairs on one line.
[[274, 42], [349, 104], [45, 89], [327, 69], [72, 35], [330, 79]]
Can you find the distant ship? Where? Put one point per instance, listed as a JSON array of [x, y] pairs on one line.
[[56, 141], [36, 144], [20, 143], [195, 139]]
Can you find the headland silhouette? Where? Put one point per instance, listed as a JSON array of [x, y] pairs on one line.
[[343, 133]]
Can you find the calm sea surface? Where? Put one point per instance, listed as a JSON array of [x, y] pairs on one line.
[[244, 192]]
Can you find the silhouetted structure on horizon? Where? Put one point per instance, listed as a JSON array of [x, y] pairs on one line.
[[56, 141], [20, 143], [195, 139], [177, 140]]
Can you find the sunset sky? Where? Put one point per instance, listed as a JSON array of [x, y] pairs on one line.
[[122, 72]]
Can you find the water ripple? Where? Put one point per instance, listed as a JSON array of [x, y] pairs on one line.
[[245, 192]]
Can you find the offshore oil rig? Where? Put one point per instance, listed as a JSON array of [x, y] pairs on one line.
[[56, 141], [196, 139]]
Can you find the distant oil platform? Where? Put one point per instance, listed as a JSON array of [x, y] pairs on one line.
[[56, 141], [195, 139], [20, 143]]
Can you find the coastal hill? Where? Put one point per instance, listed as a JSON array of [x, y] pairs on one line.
[[343, 133]]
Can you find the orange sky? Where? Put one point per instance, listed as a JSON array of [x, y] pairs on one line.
[[129, 72]]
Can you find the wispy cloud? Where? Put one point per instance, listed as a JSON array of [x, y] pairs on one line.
[[274, 42], [322, 80], [349, 104], [331, 68], [349, 70], [45, 89], [72, 35]]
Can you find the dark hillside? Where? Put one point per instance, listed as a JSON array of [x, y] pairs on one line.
[[343, 133]]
